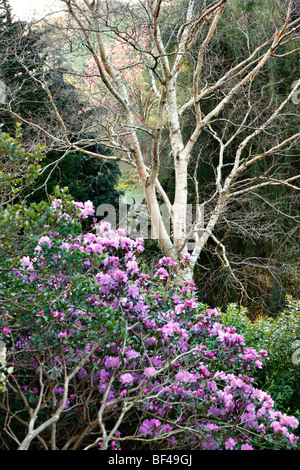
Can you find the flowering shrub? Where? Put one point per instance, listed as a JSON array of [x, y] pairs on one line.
[[279, 336], [105, 356]]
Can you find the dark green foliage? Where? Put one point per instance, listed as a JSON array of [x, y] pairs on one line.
[[21, 54], [87, 178]]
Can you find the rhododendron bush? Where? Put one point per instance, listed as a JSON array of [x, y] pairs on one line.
[[107, 357]]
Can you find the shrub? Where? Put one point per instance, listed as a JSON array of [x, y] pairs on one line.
[[280, 336], [105, 356]]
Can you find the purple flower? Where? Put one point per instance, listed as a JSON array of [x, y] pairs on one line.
[[111, 362], [149, 425], [169, 328], [149, 371], [133, 291], [230, 443], [246, 447], [166, 261], [179, 308], [103, 279], [186, 257], [126, 378], [104, 227], [131, 354], [167, 428], [263, 352], [81, 373], [289, 421], [44, 239], [119, 275], [184, 376], [132, 266], [162, 273], [85, 209], [26, 263]]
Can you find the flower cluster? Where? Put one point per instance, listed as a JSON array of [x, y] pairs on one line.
[[144, 358]]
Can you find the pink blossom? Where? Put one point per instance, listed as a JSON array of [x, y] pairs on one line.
[[166, 261], [45, 239], [162, 273], [132, 266], [126, 378], [289, 421], [134, 291], [85, 209], [179, 308], [149, 425], [169, 328], [167, 428], [104, 227], [263, 352], [276, 426], [246, 447], [191, 303], [132, 354], [230, 443], [149, 371], [65, 246], [111, 362], [26, 262], [184, 376]]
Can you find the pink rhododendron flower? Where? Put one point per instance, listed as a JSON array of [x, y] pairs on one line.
[[45, 239], [134, 291], [175, 353], [149, 371], [126, 378], [132, 354], [111, 362], [230, 443], [289, 421], [26, 262], [162, 273], [184, 376], [148, 426], [246, 447], [132, 266]]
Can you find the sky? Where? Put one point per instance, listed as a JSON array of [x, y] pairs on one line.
[[34, 9], [29, 9]]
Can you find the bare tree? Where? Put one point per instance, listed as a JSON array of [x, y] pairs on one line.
[[180, 39]]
